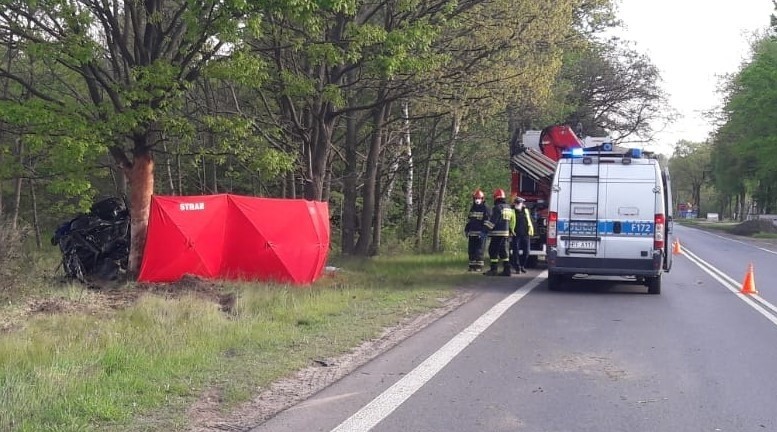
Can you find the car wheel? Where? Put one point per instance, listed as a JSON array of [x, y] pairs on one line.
[[654, 285], [531, 262], [554, 281]]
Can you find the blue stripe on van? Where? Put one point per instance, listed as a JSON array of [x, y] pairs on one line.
[[628, 228]]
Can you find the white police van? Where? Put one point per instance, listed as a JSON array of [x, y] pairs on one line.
[[610, 214]]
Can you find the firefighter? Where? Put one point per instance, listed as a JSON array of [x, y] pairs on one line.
[[499, 226], [522, 234], [478, 214]]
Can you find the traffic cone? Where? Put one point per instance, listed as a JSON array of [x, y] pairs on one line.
[[748, 286], [676, 247]]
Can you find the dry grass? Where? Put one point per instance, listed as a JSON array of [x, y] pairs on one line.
[[136, 357]]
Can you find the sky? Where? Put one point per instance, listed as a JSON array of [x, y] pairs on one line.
[[693, 43]]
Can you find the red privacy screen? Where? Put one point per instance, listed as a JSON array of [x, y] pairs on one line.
[[235, 237]]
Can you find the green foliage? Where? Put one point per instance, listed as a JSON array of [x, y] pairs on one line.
[[250, 92], [239, 135], [743, 162], [690, 167], [240, 67]]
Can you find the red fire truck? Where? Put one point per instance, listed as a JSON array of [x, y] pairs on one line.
[[533, 163]]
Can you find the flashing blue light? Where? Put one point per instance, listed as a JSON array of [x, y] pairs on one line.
[[577, 152], [636, 153]]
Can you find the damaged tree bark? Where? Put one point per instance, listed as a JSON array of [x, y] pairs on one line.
[[139, 173]]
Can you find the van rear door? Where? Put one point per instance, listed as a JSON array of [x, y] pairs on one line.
[[579, 211], [629, 208], [668, 209]]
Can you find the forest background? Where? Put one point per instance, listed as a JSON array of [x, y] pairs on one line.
[[392, 111]]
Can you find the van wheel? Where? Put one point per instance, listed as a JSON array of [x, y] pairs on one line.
[[654, 285], [554, 281], [531, 262]]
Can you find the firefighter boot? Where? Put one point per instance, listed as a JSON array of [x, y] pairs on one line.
[[492, 271], [505, 269]]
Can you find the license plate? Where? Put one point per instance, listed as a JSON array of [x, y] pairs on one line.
[[582, 244]]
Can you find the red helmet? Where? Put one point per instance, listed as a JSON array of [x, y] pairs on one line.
[[478, 194], [499, 193]]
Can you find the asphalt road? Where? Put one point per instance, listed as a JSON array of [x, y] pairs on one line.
[[598, 356]]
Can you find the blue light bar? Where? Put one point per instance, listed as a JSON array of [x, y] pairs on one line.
[[636, 153], [577, 152]]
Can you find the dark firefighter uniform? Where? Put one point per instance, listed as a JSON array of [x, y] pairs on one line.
[[475, 230], [499, 226], [524, 230]]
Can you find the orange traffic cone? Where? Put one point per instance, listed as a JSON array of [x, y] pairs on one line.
[[676, 247], [748, 286]]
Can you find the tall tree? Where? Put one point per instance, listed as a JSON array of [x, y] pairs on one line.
[[614, 90], [743, 161], [690, 166], [121, 69]]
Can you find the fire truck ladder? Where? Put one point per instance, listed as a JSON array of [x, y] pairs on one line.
[[583, 215]]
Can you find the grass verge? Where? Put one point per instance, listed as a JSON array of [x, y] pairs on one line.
[[765, 235], [718, 226], [141, 366], [754, 229]]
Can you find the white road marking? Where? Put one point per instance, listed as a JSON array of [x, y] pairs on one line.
[[388, 401], [761, 305], [737, 241]]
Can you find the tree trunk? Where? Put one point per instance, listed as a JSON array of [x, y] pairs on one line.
[[371, 176], [18, 186], [378, 219], [169, 168], [393, 155], [291, 181], [392, 174], [8, 62], [141, 181], [204, 177], [381, 198], [327, 186], [35, 221], [1, 187], [215, 177], [419, 227], [455, 127], [17, 203], [140, 176], [349, 186], [408, 149], [317, 153], [737, 208], [351, 174], [179, 173]]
